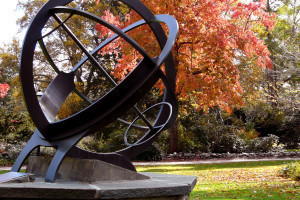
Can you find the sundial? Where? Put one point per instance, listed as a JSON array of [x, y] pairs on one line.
[[64, 134]]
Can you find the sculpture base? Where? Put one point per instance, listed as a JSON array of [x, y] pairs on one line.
[[93, 179], [158, 186], [81, 170]]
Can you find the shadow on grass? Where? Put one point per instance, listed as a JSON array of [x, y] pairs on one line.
[[198, 167]]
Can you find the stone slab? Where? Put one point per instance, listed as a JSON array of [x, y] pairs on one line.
[[82, 170], [14, 177], [159, 186]]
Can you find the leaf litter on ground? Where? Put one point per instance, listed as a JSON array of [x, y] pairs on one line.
[[255, 180]]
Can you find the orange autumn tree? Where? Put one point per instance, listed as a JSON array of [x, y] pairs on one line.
[[213, 35]]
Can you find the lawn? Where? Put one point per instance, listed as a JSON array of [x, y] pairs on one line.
[[2, 172], [246, 180], [249, 180]]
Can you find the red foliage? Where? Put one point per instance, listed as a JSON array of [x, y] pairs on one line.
[[4, 87], [213, 34]]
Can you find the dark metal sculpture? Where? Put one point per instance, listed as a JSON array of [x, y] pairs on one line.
[[65, 134]]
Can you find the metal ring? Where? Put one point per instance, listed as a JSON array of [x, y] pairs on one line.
[[89, 117], [155, 129]]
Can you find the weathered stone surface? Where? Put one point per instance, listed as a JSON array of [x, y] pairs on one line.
[[38, 190], [159, 186], [82, 170], [14, 177]]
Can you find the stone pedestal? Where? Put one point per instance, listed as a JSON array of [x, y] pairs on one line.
[[82, 170], [103, 182]]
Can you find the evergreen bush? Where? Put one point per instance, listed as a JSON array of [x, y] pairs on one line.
[[291, 170]]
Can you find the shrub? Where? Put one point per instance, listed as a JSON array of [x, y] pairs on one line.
[[261, 144], [10, 152], [253, 128], [220, 132], [291, 129], [150, 154], [115, 142], [186, 144], [269, 121], [92, 143], [291, 170], [47, 151], [15, 127]]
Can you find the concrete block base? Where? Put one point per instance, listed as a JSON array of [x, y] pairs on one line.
[[82, 170], [93, 179], [159, 186]]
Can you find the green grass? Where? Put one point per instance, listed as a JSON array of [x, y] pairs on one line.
[[293, 150], [5, 171], [247, 180]]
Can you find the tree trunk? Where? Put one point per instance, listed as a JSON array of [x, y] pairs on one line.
[[173, 142]]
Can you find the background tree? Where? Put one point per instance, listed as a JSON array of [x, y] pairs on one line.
[[214, 36], [222, 63], [66, 54], [15, 124], [282, 81]]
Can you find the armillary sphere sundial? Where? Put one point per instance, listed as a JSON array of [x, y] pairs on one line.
[[64, 134]]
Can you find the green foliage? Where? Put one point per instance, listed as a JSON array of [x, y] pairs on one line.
[[150, 154], [247, 129], [255, 128], [15, 123], [186, 144], [291, 130], [281, 83], [9, 61], [269, 120], [9, 152], [14, 127], [266, 120], [261, 144], [211, 132], [291, 170], [115, 142]]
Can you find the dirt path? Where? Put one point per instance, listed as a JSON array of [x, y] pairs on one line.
[[210, 161]]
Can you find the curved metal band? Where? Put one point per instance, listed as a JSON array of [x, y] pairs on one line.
[[26, 63], [167, 19], [106, 109], [153, 132], [57, 27], [109, 40], [171, 23], [149, 137], [97, 19], [31, 38], [47, 55]]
